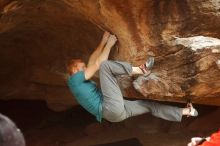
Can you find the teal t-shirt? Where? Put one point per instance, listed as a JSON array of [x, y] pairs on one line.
[[86, 93]]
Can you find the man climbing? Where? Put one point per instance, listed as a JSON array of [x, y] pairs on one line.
[[108, 103]]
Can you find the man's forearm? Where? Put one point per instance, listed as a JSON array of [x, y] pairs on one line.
[[103, 42], [104, 55], [97, 51]]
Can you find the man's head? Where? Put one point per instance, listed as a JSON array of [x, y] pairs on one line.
[[75, 65], [10, 135]]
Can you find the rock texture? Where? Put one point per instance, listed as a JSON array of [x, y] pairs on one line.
[[37, 38]]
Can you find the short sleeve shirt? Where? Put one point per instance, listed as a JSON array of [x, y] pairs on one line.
[[86, 93]]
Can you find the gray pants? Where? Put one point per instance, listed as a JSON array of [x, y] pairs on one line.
[[116, 109]]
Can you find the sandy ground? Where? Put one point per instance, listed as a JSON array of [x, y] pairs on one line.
[[76, 127]]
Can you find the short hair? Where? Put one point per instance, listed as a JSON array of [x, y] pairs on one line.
[[10, 135], [72, 64]]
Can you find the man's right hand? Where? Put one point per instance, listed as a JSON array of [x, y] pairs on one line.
[[105, 37]]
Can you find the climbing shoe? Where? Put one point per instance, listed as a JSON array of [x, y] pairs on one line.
[[147, 66]]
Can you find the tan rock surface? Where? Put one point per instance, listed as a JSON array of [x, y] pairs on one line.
[[37, 38]]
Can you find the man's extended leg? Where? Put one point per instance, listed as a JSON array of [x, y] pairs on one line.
[[138, 107], [116, 109], [99, 49]]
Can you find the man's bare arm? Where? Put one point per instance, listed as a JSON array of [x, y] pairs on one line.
[[91, 70], [99, 49]]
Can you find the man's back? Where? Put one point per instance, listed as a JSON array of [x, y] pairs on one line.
[[86, 93]]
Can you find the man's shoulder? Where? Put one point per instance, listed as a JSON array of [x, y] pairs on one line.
[[77, 77], [77, 74]]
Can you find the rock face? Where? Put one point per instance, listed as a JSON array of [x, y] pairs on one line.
[[37, 38]]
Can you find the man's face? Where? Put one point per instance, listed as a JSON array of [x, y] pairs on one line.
[[81, 66]]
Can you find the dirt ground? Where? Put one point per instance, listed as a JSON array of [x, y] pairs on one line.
[[75, 127]]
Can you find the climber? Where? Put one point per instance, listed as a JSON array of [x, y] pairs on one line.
[[108, 103], [10, 135]]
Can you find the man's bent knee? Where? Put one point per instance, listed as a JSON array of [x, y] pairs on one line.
[[115, 116], [105, 64], [116, 119]]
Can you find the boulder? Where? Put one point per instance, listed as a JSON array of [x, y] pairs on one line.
[[37, 38]]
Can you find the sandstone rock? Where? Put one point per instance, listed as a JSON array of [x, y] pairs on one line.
[[197, 81], [37, 38]]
